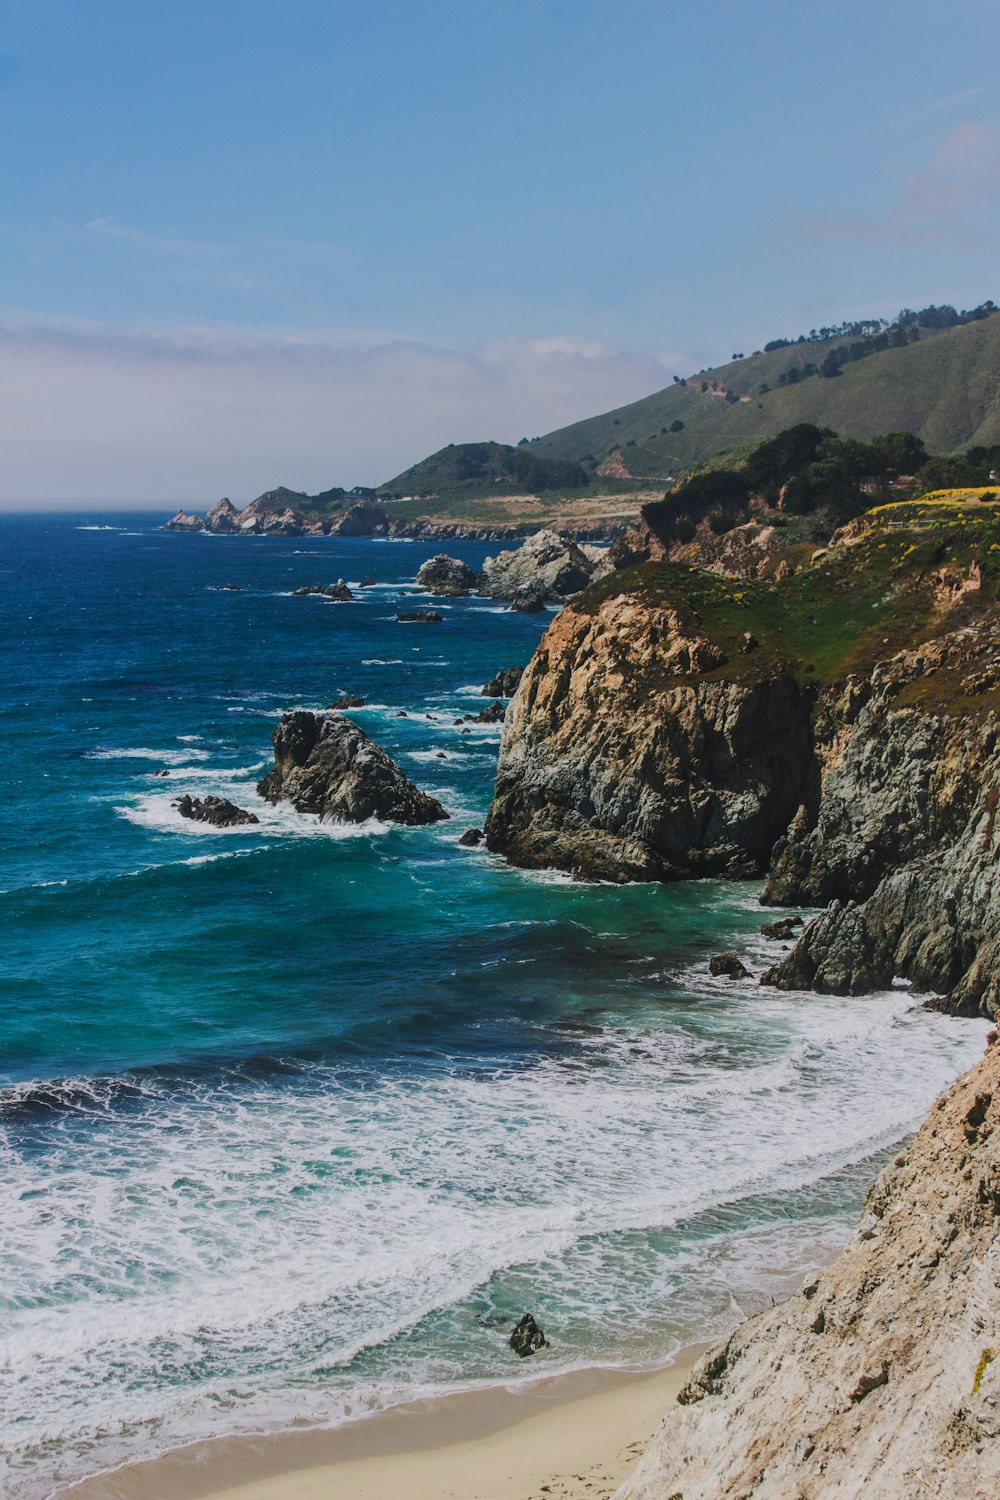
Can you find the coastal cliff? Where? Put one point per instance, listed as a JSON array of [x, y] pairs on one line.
[[836, 731], [882, 1377]]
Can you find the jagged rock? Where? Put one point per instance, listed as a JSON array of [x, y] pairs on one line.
[[504, 684], [547, 566], [784, 927], [471, 838], [366, 583], [184, 521], [326, 764], [419, 617], [727, 966], [337, 591], [446, 575], [881, 1378], [346, 700], [217, 811], [223, 518], [495, 714], [527, 1337]]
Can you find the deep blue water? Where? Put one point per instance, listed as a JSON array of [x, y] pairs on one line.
[[292, 1116]]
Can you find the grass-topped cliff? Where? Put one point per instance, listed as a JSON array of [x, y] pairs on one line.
[[940, 383]]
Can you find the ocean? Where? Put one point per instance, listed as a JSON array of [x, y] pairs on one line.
[[296, 1119]]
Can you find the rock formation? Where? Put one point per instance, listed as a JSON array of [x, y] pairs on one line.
[[546, 565], [446, 575], [882, 1377], [184, 521], [419, 617], [218, 811], [848, 745], [338, 591], [326, 764], [504, 684]]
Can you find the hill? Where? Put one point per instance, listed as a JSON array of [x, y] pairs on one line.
[[468, 469], [943, 385]]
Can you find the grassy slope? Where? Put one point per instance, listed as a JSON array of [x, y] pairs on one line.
[[858, 604], [945, 388]]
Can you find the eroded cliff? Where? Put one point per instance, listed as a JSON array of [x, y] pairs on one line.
[[882, 1377], [837, 730]]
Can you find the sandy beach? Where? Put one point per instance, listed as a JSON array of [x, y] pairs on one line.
[[574, 1437]]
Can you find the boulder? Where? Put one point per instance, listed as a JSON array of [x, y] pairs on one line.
[[419, 617], [727, 966], [783, 928], [446, 575], [328, 765], [217, 811], [527, 1337], [547, 564], [346, 700], [471, 838], [504, 684]]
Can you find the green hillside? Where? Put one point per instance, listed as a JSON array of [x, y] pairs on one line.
[[486, 469], [944, 386]]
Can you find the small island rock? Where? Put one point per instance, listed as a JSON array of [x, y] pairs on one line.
[[527, 1337], [218, 811], [728, 966], [446, 575], [326, 764]]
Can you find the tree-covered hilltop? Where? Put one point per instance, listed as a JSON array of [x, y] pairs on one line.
[[935, 373], [486, 468]]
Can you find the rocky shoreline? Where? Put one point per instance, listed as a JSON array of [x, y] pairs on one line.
[[271, 515], [837, 733], [882, 1377]]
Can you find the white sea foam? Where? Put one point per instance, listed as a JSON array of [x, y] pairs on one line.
[[157, 811], [241, 1257], [167, 757]]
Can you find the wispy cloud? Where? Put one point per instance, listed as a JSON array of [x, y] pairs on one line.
[[191, 413], [951, 202]]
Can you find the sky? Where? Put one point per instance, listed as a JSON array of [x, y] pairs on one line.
[[306, 242]]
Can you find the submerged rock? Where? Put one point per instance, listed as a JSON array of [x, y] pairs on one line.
[[784, 927], [328, 765], [419, 617], [527, 1337], [727, 966], [338, 591], [504, 684], [446, 575], [217, 811]]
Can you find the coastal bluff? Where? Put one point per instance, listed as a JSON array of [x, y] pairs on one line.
[[881, 1377], [836, 732]]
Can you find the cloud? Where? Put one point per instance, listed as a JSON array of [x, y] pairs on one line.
[[950, 203], [188, 414]]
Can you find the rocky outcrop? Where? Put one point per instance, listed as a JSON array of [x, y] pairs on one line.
[[338, 592], [419, 617], [327, 765], [882, 1377], [184, 521], [219, 812], [547, 566], [656, 736], [504, 683], [445, 575], [626, 756]]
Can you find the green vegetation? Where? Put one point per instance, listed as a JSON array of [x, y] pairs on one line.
[[985, 1360], [942, 383], [485, 468], [859, 603]]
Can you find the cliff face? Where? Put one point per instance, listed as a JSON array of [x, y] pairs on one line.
[[882, 1377], [625, 758], [838, 731]]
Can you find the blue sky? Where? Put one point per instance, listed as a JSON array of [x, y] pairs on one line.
[[251, 243]]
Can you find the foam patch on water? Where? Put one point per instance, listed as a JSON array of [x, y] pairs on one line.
[[157, 811], [167, 757]]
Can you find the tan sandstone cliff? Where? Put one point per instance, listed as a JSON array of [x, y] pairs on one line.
[[881, 1379]]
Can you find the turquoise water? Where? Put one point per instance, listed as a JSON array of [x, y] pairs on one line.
[[294, 1117]]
